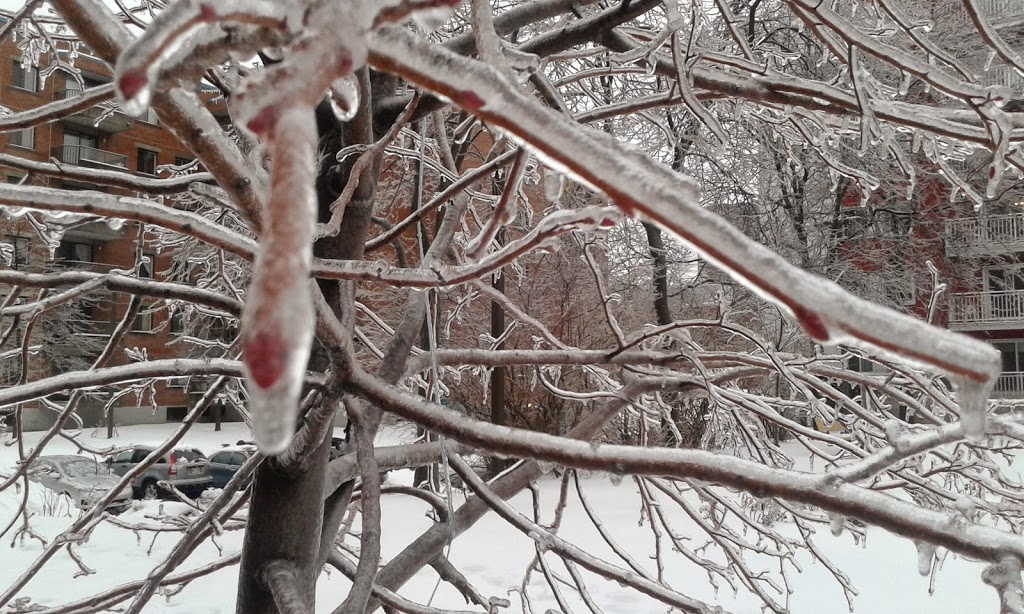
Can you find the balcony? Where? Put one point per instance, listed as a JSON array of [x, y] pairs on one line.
[[79, 265], [989, 235], [986, 310], [82, 155], [103, 117], [1010, 385]]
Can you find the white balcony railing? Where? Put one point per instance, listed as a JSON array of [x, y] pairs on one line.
[[983, 310], [986, 235], [82, 155], [1010, 385]]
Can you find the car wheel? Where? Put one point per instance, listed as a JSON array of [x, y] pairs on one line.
[[150, 490]]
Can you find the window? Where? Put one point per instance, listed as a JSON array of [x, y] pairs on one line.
[[176, 414], [10, 370], [143, 320], [25, 78], [221, 458], [14, 251], [147, 266], [71, 252], [1011, 381], [14, 179], [78, 147], [177, 382], [73, 88], [860, 364], [145, 162], [180, 161], [149, 117], [178, 323], [25, 137]]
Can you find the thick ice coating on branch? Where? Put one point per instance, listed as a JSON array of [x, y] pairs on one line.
[[278, 318]]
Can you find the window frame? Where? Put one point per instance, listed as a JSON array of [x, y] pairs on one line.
[[66, 246], [22, 247], [144, 322], [19, 70], [21, 135], [139, 153]]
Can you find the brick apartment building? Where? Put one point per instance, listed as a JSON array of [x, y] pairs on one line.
[[979, 254], [99, 137]]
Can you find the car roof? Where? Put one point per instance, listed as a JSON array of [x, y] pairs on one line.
[[247, 449], [154, 446], [64, 457]]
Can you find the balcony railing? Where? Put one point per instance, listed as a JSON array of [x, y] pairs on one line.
[[1010, 385], [82, 155], [104, 116], [986, 235], [80, 265], [986, 310]]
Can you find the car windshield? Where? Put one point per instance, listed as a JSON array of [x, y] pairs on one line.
[[189, 454], [82, 468]]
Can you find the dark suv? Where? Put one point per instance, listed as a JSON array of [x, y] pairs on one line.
[[186, 468]]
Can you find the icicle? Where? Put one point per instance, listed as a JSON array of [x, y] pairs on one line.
[[973, 397], [615, 478], [344, 97], [554, 184], [904, 88], [940, 558], [836, 522], [988, 61], [925, 556]]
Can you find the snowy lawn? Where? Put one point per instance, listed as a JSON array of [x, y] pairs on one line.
[[492, 554]]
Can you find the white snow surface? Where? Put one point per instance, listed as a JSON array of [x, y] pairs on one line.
[[491, 554]]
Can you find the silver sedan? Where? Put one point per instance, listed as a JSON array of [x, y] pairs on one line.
[[81, 478]]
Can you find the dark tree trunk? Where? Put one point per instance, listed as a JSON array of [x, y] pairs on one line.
[[497, 383], [284, 524], [286, 515], [656, 245]]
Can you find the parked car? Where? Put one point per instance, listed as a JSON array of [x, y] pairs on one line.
[[186, 468], [81, 478], [224, 463]]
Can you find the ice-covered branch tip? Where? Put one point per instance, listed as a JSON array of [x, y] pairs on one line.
[[324, 44], [141, 62], [278, 318]]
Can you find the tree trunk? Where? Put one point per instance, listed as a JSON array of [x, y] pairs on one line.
[[656, 245], [284, 525], [497, 383], [287, 513]]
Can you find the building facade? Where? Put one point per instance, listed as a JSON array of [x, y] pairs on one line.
[[99, 137]]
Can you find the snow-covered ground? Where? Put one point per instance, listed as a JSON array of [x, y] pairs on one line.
[[492, 554]]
